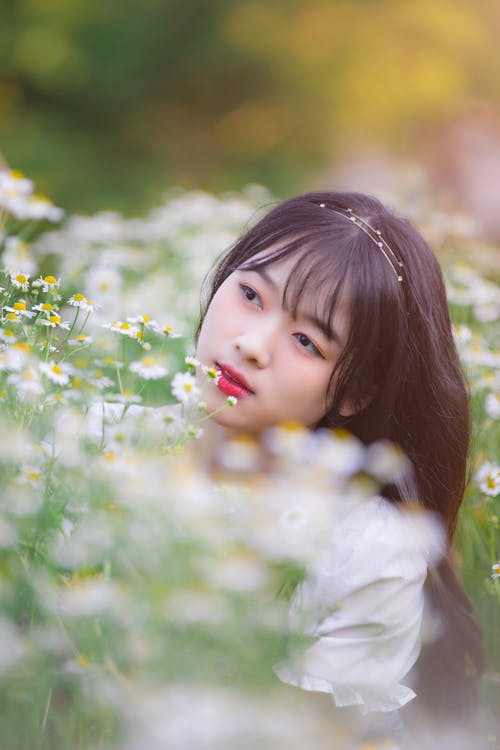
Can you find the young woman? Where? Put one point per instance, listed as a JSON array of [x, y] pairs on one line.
[[332, 311]]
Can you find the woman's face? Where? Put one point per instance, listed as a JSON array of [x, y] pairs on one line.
[[278, 366]]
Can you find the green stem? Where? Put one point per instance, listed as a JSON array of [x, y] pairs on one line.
[[63, 341], [74, 351], [47, 708], [84, 322], [118, 376]]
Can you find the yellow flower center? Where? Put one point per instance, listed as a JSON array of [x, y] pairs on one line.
[[50, 280], [55, 319], [11, 316], [47, 306], [78, 297], [34, 476], [81, 337], [21, 278], [148, 361], [342, 434], [56, 369], [41, 198], [19, 305], [110, 456], [168, 329], [188, 387], [16, 174], [140, 335], [291, 426], [125, 327], [82, 660]]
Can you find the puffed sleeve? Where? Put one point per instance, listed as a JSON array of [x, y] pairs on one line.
[[363, 607]]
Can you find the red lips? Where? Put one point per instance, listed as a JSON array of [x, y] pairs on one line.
[[231, 382]]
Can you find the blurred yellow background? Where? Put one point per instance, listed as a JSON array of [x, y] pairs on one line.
[[106, 103]]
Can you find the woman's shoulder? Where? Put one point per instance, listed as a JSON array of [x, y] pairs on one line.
[[378, 538]]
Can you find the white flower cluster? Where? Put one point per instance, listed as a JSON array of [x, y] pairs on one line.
[[18, 199], [488, 478]]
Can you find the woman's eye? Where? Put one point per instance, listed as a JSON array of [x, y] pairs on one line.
[[306, 342], [250, 294]]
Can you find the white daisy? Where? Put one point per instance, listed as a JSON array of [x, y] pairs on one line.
[[488, 478], [26, 382], [211, 372], [81, 339], [127, 397], [13, 182], [40, 207], [124, 329], [169, 331], [7, 336], [45, 307], [54, 321], [145, 321], [58, 374], [14, 357], [492, 405], [20, 280], [148, 368], [80, 300], [20, 309], [99, 380], [192, 362], [462, 334], [17, 254], [47, 283], [184, 388]]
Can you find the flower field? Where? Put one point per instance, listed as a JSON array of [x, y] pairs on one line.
[[143, 604]]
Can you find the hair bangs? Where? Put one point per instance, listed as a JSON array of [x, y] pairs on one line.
[[315, 282]]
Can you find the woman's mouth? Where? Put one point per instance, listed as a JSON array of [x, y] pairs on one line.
[[231, 382]]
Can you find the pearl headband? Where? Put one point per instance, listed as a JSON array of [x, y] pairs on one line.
[[376, 237]]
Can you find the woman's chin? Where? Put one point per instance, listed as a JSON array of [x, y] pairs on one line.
[[232, 419]]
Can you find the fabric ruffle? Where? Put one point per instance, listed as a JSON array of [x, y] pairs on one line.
[[390, 699]]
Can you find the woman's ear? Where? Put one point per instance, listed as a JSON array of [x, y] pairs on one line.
[[351, 406]]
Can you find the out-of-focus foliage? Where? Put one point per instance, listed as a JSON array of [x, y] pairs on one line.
[[105, 101]]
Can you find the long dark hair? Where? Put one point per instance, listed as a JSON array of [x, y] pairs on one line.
[[399, 368]]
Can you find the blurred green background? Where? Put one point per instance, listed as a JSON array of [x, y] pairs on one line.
[[105, 103]]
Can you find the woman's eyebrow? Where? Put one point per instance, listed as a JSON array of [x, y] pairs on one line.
[[327, 330], [267, 278]]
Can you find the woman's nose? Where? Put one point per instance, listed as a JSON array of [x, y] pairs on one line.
[[255, 344]]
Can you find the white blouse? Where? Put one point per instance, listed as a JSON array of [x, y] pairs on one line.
[[364, 605]]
